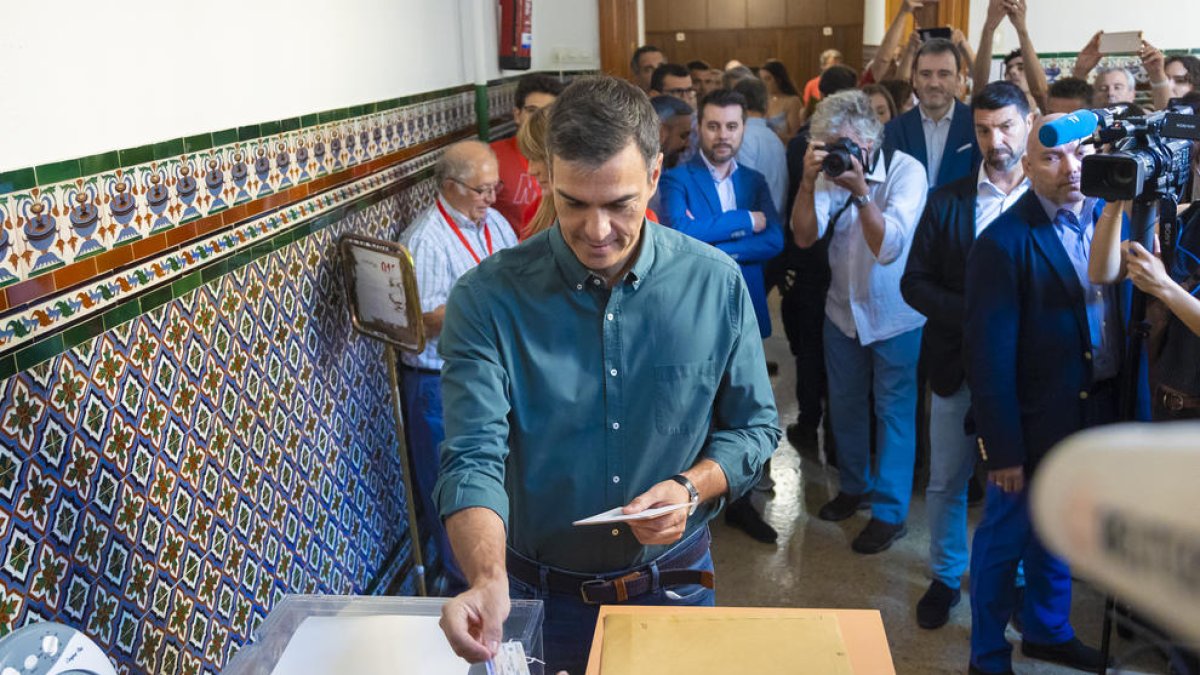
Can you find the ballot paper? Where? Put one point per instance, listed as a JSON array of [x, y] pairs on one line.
[[615, 515], [370, 645]]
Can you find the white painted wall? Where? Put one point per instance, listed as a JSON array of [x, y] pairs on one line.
[[1066, 26], [84, 77]]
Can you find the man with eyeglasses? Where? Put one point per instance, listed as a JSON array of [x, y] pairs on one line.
[[672, 79], [449, 238], [534, 92]]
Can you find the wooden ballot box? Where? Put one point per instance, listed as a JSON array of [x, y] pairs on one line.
[[632, 640]]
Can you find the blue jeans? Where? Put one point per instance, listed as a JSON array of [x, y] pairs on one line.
[[952, 458], [425, 433], [1003, 537], [889, 368], [569, 625]]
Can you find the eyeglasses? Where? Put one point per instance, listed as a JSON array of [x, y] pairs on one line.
[[681, 92], [483, 190]]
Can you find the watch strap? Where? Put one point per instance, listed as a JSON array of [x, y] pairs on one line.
[[693, 493]]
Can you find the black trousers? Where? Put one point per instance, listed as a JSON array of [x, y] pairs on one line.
[[803, 314]]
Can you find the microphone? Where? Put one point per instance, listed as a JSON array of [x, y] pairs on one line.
[[1119, 504], [1076, 126]]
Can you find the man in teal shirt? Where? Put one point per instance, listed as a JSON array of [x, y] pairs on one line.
[[607, 362]]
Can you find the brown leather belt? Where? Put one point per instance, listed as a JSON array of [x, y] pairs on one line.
[[1177, 401], [600, 589]]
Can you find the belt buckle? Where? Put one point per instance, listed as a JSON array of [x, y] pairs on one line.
[[1173, 401], [583, 590]]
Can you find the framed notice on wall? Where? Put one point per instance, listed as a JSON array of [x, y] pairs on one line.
[[381, 287]]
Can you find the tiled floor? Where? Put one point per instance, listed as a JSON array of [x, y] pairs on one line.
[[813, 566]]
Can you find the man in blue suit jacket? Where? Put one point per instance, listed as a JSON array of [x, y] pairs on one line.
[[1043, 349], [938, 132], [713, 199]]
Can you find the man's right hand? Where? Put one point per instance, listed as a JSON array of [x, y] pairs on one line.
[[813, 156], [760, 221], [1008, 480], [474, 621], [909, 6], [996, 11]]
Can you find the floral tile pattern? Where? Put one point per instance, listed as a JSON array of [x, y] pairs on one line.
[[164, 483]]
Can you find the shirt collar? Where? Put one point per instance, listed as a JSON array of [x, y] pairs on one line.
[[712, 170], [459, 217], [578, 277], [1086, 210], [984, 180], [947, 118]]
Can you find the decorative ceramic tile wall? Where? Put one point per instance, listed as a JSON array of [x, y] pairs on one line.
[[162, 484]]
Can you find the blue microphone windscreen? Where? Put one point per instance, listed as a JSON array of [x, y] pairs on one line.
[[1076, 126]]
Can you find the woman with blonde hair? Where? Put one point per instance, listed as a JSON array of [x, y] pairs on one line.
[[531, 141]]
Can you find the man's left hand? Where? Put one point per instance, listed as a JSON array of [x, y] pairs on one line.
[[853, 179], [667, 528]]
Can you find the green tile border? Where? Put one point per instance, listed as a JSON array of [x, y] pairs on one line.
[[57, 172], [106, 161], [18, 179], [127, 310]]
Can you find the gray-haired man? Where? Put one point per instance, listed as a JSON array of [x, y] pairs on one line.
[[607, 362], [450, 237]]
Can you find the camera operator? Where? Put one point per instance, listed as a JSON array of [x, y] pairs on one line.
[[1174, 314], [867, 202]]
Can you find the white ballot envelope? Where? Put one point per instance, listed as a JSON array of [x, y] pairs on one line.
[[615, 515]]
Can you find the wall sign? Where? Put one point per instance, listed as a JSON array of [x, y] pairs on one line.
[[381, 286]]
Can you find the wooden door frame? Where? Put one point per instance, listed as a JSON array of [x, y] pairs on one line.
[[953, 13], [618, 35]]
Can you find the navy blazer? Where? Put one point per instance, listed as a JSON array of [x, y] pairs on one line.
[[1029, 352], [961, 156], [935, 278], [688, 202]]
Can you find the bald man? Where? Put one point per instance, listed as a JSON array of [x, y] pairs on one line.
[[1043, 354], [450, 237]]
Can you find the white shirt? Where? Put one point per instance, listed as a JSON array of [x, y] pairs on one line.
[[763, 151], [439, 259], [936, 134], [725, 191], [991, 201], [864, 298]]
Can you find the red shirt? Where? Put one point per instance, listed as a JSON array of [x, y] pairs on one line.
[[520, 189], [812, 90]]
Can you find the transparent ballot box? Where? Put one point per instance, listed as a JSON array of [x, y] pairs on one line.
[[345, 633]]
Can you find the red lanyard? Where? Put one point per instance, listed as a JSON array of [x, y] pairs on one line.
[[487, 234]]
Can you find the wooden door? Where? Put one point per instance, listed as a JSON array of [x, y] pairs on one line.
[[618, 35], [953, 13]]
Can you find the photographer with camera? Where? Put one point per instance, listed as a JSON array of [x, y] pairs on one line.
[[866, 201], [1174, 311]]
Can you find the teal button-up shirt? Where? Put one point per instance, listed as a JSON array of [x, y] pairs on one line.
[[564, 398]]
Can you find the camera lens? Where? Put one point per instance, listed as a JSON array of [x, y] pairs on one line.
[[1123, 175]]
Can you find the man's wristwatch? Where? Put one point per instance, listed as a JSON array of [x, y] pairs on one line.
[[861, 201], [693, 493]]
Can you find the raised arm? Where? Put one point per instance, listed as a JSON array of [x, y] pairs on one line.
[[1156, 71], [1104, 259], [1035, 75], [1089, 57], [891, 39]]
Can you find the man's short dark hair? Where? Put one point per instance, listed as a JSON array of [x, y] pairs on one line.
[[637, 55], [536, 83], [1072, 87], [755, 93], [596, 117], [723, 98], [669, 107], [1009, 57], [698, 65], [661, 73], [1191, 68], [837, 78], [998, 95], [939, 46]]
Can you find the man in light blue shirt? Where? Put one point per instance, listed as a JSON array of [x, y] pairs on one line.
[[761, 148]]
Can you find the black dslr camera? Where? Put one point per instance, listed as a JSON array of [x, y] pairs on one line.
[[1151, 155], [838, 161]]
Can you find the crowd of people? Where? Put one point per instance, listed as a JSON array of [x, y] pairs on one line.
[[921, 237]]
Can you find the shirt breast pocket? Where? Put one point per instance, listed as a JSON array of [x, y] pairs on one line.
[[684, 396]]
